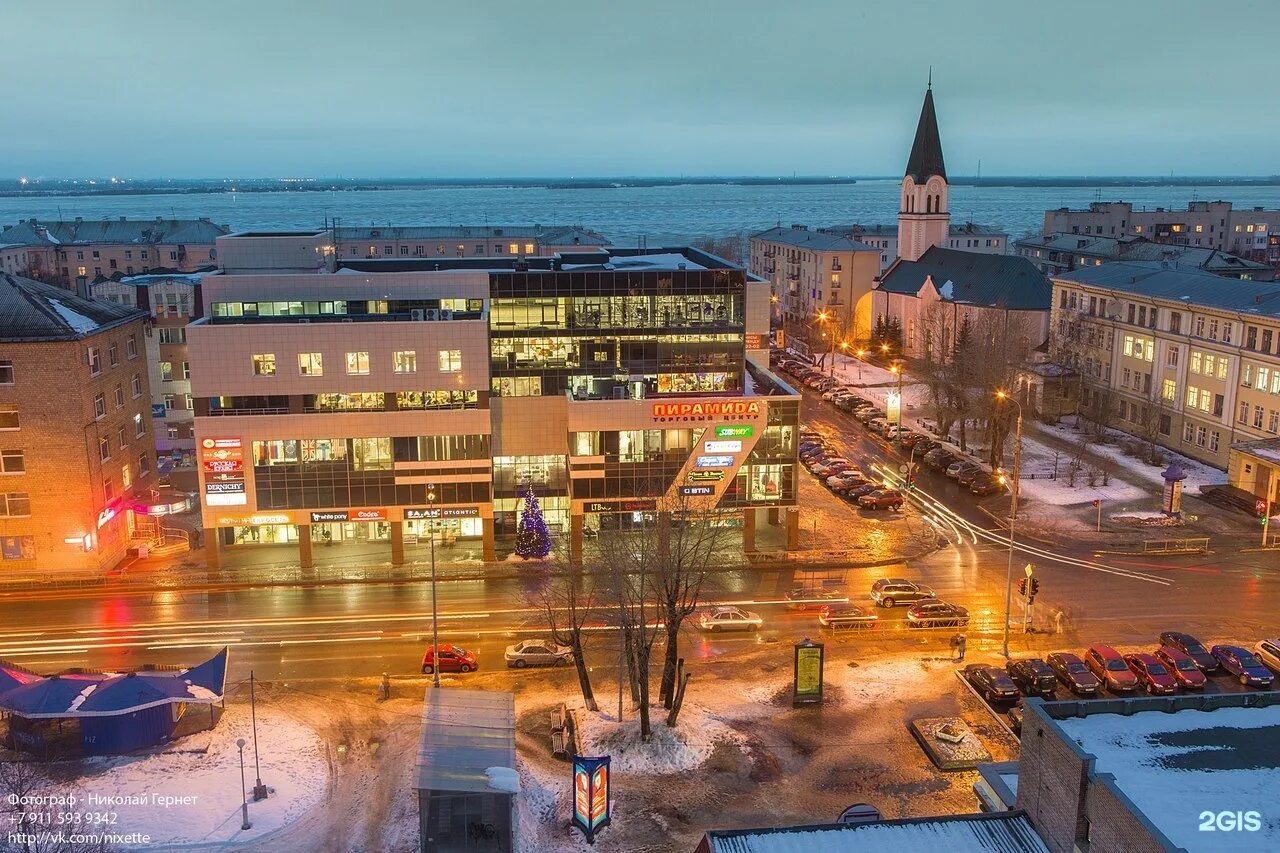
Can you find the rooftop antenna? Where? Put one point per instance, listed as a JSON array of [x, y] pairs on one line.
[[930, 76]]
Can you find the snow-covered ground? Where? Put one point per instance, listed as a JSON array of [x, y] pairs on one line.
[[1198, 473], [204, 809], [684, 747], [1038, 482], [876, 383]]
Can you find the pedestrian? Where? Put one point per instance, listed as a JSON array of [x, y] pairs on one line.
[[1057, 620], [960, 644]]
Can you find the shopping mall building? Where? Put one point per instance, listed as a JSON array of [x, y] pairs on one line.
[[391, 400]]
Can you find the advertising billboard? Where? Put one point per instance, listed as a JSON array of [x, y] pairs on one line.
[[808, 673], [722, 446], [744, 431], [222, 464], [714, 461], [590, 795]]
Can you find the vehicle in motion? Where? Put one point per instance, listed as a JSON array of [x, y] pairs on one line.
[[1153, 676], [991, 683], [986, 484], [537, 653], [449, 658], [1110, 668], [881, 499], [935, 613], [1073, 674], [1268, 651], [810, 598], [841, 616], [729, 619], [1033, 677], [1241, 663], [1182, 668], [890, 592], [1192, 648]]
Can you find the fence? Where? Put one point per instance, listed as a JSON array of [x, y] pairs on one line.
[[1195, 545]]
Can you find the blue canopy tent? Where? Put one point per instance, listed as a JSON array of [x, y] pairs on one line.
[[115, 712]]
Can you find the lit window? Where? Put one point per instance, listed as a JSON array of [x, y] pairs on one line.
[[139, 428], [515, 247], [311, 364], [528, 247], [126, 476], [450, 361], [166, 371], [357, 363], [404, 361], [264, 364]]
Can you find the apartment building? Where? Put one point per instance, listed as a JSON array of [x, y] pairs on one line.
[[816, 271], [173, 300], [391, 401], [964, 236], [1211, 224], [462, 241], [1186, 358], [1059, 253], [75, 253], [77, 461]]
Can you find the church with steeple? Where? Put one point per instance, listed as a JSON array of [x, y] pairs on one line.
[[923, 218]]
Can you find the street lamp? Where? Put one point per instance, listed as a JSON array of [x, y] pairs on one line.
[[1013, 513], [244, 801], [897, 369], [861, 354], [435, 621], [822, 318]]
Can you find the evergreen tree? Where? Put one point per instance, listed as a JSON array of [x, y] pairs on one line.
[[877, 332], [533, 540], [893, 334]]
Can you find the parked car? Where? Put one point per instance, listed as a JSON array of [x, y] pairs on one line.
[[1242, 663], [538, 653], [449, 658], [955, 469], [968, 475], [939, 458], [935, 613], [808, 598], [1190, 647], [729, 619], [866, 415], [1110, 668], [837, 616], [853, 493], [890, 592], [1181, 667], [833, 466], [881, 499], [991, 683], [877, 425], [842, 483], [986, 484], [1073, 674], [1152, 675], [1015, 717], [1268, 651], [1033, 677]]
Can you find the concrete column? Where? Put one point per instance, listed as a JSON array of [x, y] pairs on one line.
[[304, 546], [575, 537], [749, 530], [213, 547], [397, 543], [490, 551], [793, 528], [775, 515]]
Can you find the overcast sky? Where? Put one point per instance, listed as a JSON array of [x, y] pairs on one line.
[[582, 87]]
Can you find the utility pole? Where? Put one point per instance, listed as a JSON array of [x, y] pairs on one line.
[[259, 789], [1013, 516], [435, 620]]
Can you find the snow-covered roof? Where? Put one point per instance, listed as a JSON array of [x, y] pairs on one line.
[[1262, 448], [1173, 766], [468, 739], [1006, 832], [659, 261], [34, 311]]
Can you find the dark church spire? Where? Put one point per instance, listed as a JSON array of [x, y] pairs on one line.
[[926, 151]]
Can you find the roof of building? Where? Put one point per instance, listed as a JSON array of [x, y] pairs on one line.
[[818, 240], [1005, 832], [466, 734], [1141, 249], [926, 150], [973, 278], [1173, 764], [33, 232], [551, 235], [1262, 448], [890, 230], [193, 277], [1191, 286], [656, 259], [35, 311]]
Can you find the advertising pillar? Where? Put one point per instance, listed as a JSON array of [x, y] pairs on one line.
[[304, 546], [749, 530], [397, 543]]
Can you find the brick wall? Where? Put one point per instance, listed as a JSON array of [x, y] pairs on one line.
[[1113, 823], [1052, 779]]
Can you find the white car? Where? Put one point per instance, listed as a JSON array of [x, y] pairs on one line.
[[538, 653], [1268, 652], [729, 619]]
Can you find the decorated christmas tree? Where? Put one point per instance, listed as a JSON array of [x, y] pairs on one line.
[[533, 540]]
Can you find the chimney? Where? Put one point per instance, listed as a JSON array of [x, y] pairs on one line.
[[79, 219], [122, 219]]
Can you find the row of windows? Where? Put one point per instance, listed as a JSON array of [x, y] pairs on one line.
[[630, 311], [280, 490], [100, 400], [357, 363], [1193, 434], [1261, 378], [94, 355], [1272, 417], [460, 249], [350, 307], [364, 454]]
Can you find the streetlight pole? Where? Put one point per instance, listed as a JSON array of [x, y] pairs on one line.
[[861, 353], [435, 621], [897, 438], [259, 789], [244, 801], [1013, 515]]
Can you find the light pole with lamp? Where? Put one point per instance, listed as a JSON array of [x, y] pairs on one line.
[[830, 347], [861, 354], [244, 800], [435, 621], [259, 789], [1013, 513], [896, 368]]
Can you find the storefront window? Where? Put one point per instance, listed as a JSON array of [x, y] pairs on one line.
[[518, 386], [278, 452], [371, 454], [692, 383], [324, 449], [364, 402]]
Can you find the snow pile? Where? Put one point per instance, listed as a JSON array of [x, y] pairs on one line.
[[503, 779], [1147, 519], [77, 321], [669, 750], [293, 766]]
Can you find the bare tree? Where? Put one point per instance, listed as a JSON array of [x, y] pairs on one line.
[[567, 603], [727, 246]]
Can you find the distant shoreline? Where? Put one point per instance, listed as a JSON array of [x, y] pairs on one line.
[[69, 189]]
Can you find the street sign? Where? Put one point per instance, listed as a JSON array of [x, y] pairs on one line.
[[1028, 569], [1260, 507]]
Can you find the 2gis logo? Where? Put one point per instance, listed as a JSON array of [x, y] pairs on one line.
[[1230, 821]]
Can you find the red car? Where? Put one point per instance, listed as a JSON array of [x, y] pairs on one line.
[[449, 659], [1109, 666], [1152, 674], [882, 499], [1182, 667]]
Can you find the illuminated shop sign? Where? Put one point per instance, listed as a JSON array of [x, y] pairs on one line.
[[590, 795], [744, 431], [327, 516], [222, 463], [714, 461], [417, 513], [697, 491], [706, 410], [255, 519], [620, 506], [722, 446], [706, 475]]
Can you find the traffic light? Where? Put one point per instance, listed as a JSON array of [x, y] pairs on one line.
[[1035, 587], [1022, 587]]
